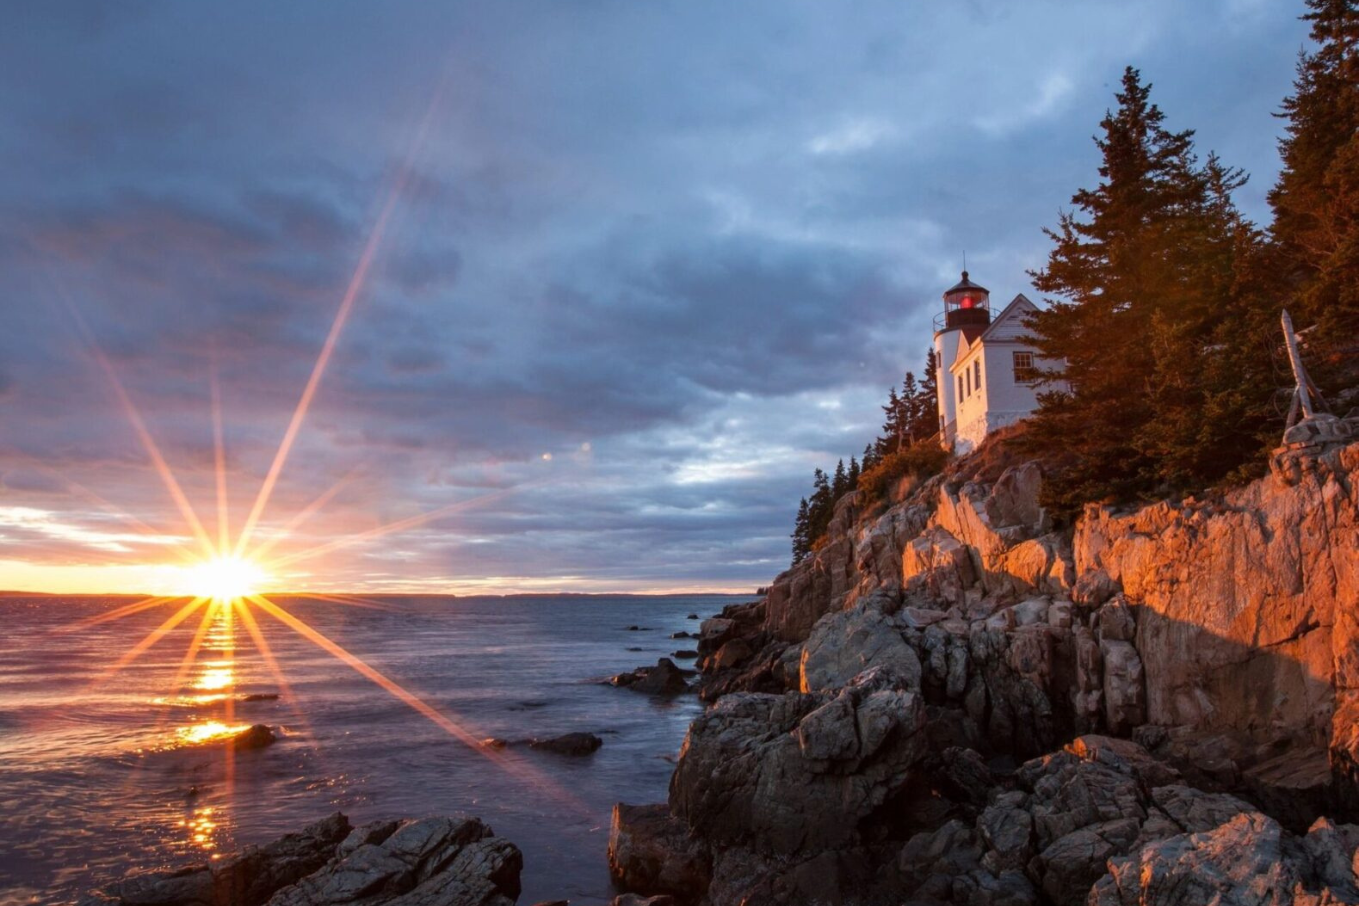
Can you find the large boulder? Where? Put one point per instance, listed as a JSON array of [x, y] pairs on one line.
[[1242, 862], [663, 679], [843, 645], [651, 853], [426, 862], [795, 773]]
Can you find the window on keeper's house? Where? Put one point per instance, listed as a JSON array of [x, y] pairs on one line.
[[976, 377], [960, 386], [1025, 372]]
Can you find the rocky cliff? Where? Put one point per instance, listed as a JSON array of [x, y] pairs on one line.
[[884, 716]]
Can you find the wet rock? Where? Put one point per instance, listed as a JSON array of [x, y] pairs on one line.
[[371, 834], [193, 886], [575, 744], [663, 679], [259, 697], [245, 878], [684, 654], [682, 634], [425, 862], [692, 616], [651, 853], [256, 737]]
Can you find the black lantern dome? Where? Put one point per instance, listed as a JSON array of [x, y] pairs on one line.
[[966, 304]]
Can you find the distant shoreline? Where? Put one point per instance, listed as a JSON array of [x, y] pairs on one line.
[[753, 593]]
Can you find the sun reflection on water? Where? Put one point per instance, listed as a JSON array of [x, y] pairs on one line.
[[201, 828], [209, 731], [215, 676]]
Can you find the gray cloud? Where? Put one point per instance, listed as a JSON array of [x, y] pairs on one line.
[[647, 264]]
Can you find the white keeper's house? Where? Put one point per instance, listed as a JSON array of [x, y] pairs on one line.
[[987, 374]]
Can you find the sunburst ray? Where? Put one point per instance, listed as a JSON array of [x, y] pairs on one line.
[[152, 637], [457, 730]]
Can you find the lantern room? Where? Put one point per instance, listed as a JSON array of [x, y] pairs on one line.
[[966, 304]]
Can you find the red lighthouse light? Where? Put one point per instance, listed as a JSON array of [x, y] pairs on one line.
[[966, 303]]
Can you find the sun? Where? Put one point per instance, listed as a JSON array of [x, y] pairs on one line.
[[227, 578]]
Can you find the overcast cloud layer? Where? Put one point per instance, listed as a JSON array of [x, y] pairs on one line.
[[648, 263]]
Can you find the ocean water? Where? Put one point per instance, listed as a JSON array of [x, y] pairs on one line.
[[103, 769]]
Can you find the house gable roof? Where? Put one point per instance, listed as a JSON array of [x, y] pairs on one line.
[[1014, 313]]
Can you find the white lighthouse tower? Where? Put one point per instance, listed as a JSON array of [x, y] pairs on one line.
[[988, 373], [967, 313]]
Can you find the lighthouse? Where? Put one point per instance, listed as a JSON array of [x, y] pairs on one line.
[[988, 373]]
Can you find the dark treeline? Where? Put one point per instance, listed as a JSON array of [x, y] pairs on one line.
[[910, 421], [1165, 300]]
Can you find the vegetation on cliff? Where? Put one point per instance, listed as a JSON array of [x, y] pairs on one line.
[[1166, 299]]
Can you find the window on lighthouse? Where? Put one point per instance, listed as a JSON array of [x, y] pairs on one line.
[[976, 367]]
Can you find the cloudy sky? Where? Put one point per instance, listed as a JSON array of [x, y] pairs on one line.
[[621, 274]]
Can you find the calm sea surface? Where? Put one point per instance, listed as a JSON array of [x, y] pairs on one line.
[[101, 771]]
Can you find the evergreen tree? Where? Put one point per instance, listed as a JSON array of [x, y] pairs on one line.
[[854, 473], [1143, 276], [1316, 199], [820, 507], [840, 483], [908, 421], [927, 413], [802, 542], [870, 457], [891, 425]]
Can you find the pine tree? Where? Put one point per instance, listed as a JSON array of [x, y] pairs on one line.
[[1216, 365], [1316, 198], [820, 507], [839, 483], [870, 457], [802, 542], [1139, 278], [891, 425], [854, 472], [908, 421], [928, 411]]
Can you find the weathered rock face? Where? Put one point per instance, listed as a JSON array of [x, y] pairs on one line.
[[843, 645], [1223, 635], [1238, 615], [651, 853], [1246, 608], [1246, 859], [789, 773], [426, 862]]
